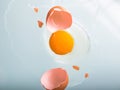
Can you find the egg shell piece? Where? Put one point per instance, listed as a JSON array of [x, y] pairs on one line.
[[55, 79], [36, 9], [76, 67], [86, 75], [58, 19], [40, 23]]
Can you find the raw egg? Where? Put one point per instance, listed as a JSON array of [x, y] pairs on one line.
[[76, 67], [68, 47]]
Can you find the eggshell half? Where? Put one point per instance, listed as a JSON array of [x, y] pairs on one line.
[[55, 79], [58, 18]]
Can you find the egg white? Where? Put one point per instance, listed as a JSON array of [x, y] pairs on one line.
[[80, 49]]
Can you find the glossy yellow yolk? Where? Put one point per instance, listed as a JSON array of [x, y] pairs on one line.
[[61, 42]]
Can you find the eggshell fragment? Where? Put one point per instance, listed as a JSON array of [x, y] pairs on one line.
[[86, 75], [76, 67], [55, 79], [40, 23], [58, 18], [36, 9]]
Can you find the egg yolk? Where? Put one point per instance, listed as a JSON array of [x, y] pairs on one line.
[[61, 42]]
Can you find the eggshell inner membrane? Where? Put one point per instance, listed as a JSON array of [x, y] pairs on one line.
[[55, 79]]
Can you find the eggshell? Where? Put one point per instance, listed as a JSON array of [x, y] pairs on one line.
[[40, 23], [55, 79], [76, 67], [58, 18], [36, 9]]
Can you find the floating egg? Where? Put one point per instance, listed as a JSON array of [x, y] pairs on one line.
[[74, 44]]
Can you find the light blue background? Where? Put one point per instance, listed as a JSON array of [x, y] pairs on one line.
[[24, 73]]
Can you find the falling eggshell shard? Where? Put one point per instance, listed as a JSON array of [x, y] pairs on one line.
[[55, 79], [36, 9], [76, 67], [58, 18], [40, 23], [86, 75]]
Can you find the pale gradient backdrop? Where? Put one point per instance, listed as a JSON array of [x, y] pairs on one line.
[[21, 68]]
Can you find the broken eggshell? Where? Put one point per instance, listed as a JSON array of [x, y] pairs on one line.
[[55, 79], [58, 18]]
